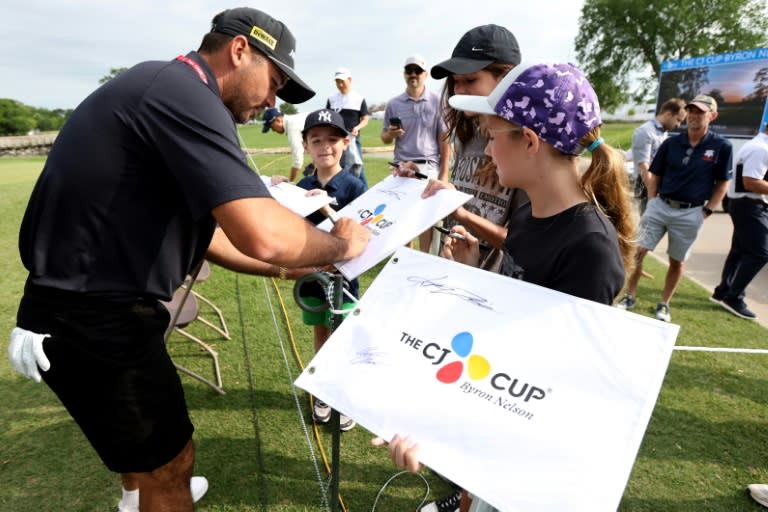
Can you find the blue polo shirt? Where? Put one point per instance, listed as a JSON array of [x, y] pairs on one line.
[[688, 174]]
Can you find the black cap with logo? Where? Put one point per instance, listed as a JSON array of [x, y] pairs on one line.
[[324, 117], [481, 46], [272, 38]]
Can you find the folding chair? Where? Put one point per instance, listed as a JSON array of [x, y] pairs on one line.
[[202, 275], [184, 309]]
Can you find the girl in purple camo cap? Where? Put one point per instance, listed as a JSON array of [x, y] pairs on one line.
[[577, 234]]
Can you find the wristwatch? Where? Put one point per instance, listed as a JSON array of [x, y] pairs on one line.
[[707, 210]]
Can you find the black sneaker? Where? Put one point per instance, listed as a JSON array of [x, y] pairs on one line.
[[447, 504], [738, 308], [716, 297]]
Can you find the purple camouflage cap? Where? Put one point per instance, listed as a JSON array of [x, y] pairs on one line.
[[554, 100]]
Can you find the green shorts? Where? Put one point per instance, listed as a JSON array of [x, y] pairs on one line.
[[323, 317]]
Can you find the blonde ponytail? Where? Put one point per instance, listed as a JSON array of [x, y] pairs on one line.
[[607, 185]]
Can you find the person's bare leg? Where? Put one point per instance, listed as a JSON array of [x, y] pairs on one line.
[[637, 273], [130, 481], [673, 278], [322, 333], [129, 496], [166, 489]]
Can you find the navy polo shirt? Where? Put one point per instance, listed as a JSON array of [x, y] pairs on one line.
[[345, 187], [688, 174], [123, 205]]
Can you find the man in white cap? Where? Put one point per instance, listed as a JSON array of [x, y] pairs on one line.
[[414, 121], [353, 109]]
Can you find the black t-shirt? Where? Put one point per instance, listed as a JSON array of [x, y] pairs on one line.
[[574, 252], [123, 205]]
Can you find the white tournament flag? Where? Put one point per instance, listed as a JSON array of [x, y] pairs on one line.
[[395, 213], [295, 198], [529, 398]]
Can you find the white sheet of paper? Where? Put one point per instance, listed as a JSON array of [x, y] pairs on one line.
[[395, 213], [530, 398], [295, 198]]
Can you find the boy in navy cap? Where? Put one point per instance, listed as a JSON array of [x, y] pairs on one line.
[[325, 139]]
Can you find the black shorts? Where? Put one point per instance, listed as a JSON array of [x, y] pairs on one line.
[[110, 369]]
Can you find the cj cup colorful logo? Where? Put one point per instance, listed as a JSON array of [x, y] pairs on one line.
[[478, 367], [374, 220]]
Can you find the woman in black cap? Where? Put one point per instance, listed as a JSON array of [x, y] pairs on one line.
[[481, 58]]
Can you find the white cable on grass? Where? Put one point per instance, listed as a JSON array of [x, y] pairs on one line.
[[318, 474], [392, 478], [718, 349], [247, 154]]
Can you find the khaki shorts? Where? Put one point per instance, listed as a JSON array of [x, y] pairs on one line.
[[682, 225]]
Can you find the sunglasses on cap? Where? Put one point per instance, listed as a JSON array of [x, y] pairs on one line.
[[413, 70]]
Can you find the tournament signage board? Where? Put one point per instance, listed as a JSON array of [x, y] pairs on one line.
[[737, 80], [529, 398]]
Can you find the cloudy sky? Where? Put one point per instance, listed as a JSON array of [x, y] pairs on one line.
[[53, 52]]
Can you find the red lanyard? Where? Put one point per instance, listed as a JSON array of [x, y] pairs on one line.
[[194, 65]]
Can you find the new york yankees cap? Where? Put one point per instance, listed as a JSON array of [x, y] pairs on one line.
[[324, 117], [272, 38], [477, 48]]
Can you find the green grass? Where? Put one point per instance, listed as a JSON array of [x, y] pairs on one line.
[[619, 135], [706, 440]]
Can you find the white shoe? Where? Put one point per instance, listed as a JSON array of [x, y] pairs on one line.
[[759, 493], [662, 312], [198, 486]]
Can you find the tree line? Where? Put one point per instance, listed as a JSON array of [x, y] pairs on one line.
[[17, 118]]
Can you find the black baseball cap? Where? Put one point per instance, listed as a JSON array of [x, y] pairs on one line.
[[272, 38], [481, 46], [324, 117]]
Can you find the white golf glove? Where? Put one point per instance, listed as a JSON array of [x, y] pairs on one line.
[[26, 353]]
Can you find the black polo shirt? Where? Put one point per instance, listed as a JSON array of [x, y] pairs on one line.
[[123, 205], [688, 174]]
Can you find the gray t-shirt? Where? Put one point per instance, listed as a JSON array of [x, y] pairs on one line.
[[490, 200]]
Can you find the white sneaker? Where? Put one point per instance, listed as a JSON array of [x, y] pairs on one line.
[[662, 312], [321, 412], [759, 493], [198, 486], [346, 423]]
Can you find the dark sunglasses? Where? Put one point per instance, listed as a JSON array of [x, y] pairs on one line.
[[413, 70]]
